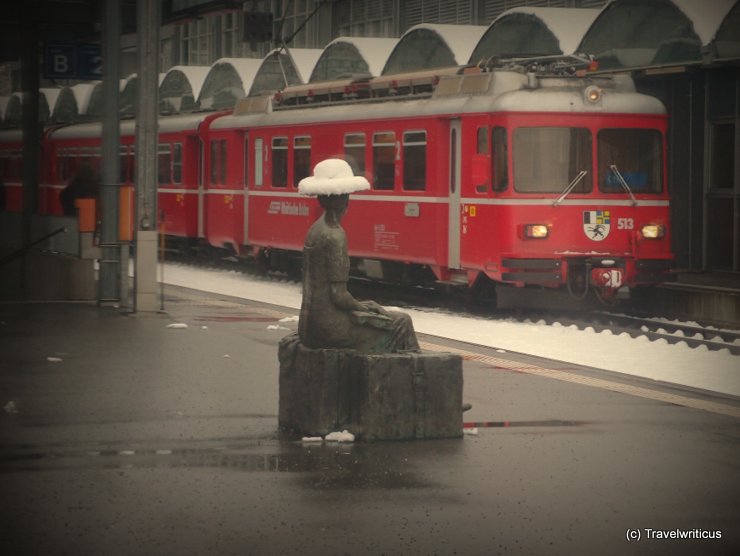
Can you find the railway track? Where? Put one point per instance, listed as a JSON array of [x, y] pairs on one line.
[[654, 328]]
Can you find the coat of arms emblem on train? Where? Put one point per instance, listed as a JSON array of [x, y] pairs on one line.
[[596, 224]]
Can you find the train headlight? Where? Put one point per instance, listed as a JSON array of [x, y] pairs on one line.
[[592, 94], [536, 231], [653, 231]]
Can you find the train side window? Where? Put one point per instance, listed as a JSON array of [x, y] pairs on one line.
[[481, 143], [280, 162], [13, 166], [500, 159], [246, 160], [218, 162], [258, 169], [414, 160], [131, 162], [62, 166], [177, 163], [215, 154], [301, 158], [123, 164], [384, 160], [354, 152], [223, 159], [164, 164]]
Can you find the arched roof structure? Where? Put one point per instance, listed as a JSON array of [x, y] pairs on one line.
[[350, 57], [640, 33], [180, 88], [72, 103], [3, 107], [13, 110], [726, 43], [227, 81], [293, 65], [525, 31], [48, 97], [127, 98], [427, 46]]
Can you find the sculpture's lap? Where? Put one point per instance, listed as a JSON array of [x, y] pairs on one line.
[[377, 397]]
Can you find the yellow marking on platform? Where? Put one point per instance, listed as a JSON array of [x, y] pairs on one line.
[[694, 403]]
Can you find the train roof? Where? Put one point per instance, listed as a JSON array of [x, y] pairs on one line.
[[499, 91], [167, 124]]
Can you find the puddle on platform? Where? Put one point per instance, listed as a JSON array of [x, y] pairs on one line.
[[235, 318], [547, 423], [325, 466]]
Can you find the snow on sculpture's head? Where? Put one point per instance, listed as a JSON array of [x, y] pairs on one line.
[[332, 176]]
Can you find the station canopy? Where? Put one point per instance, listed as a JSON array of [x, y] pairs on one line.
[[726, 44], [426, 46], [645, 33], [180, 88], [350, 57], [283, 67], [127, 98], [3, 107], [48, 97], [13, 110], [522, 32], [227, 81], [73, 103]]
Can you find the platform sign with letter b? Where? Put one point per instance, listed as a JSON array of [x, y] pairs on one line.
[[72, 61]]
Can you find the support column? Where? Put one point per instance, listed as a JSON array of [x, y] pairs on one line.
[[109, 287], [31, 130], [145, 264]]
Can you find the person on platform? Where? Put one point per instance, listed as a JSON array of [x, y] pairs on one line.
[[84, 185]]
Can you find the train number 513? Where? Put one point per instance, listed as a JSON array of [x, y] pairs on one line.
[[625, 223]]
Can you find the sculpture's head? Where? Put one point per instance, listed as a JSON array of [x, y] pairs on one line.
[[332, 177], [335, 203]]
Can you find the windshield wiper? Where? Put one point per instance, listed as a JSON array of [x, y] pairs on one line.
[[571, 187], [623, 183]]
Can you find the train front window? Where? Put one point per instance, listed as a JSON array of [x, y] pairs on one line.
[[631, 158], [550, 159]]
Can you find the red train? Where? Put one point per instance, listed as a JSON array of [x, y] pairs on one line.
[[518, 175]]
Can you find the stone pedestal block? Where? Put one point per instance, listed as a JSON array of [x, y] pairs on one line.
[[397, 396]]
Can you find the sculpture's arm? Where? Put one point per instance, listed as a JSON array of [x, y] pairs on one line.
[[341, 298], [344, 300]]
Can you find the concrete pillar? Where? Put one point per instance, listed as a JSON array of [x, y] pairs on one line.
[[145, 268]]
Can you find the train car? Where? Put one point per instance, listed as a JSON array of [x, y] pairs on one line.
[[527, 173], [520, 175], [11, 168], [180, 195]]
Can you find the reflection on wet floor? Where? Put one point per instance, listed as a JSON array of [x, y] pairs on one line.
[[384, 465], [235, 318], [550, 423], [327, 465]]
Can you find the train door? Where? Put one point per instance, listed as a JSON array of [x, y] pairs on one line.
[[201, 193], [453, 237]]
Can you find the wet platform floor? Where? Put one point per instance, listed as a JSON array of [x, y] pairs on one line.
[[120, 435]]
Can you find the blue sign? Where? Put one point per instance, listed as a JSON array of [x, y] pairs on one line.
[[72, 61]]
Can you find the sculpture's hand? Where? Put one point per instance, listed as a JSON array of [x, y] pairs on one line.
[[373, 307]]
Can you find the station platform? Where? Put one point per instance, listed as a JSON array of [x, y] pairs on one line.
[[122, 434]]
